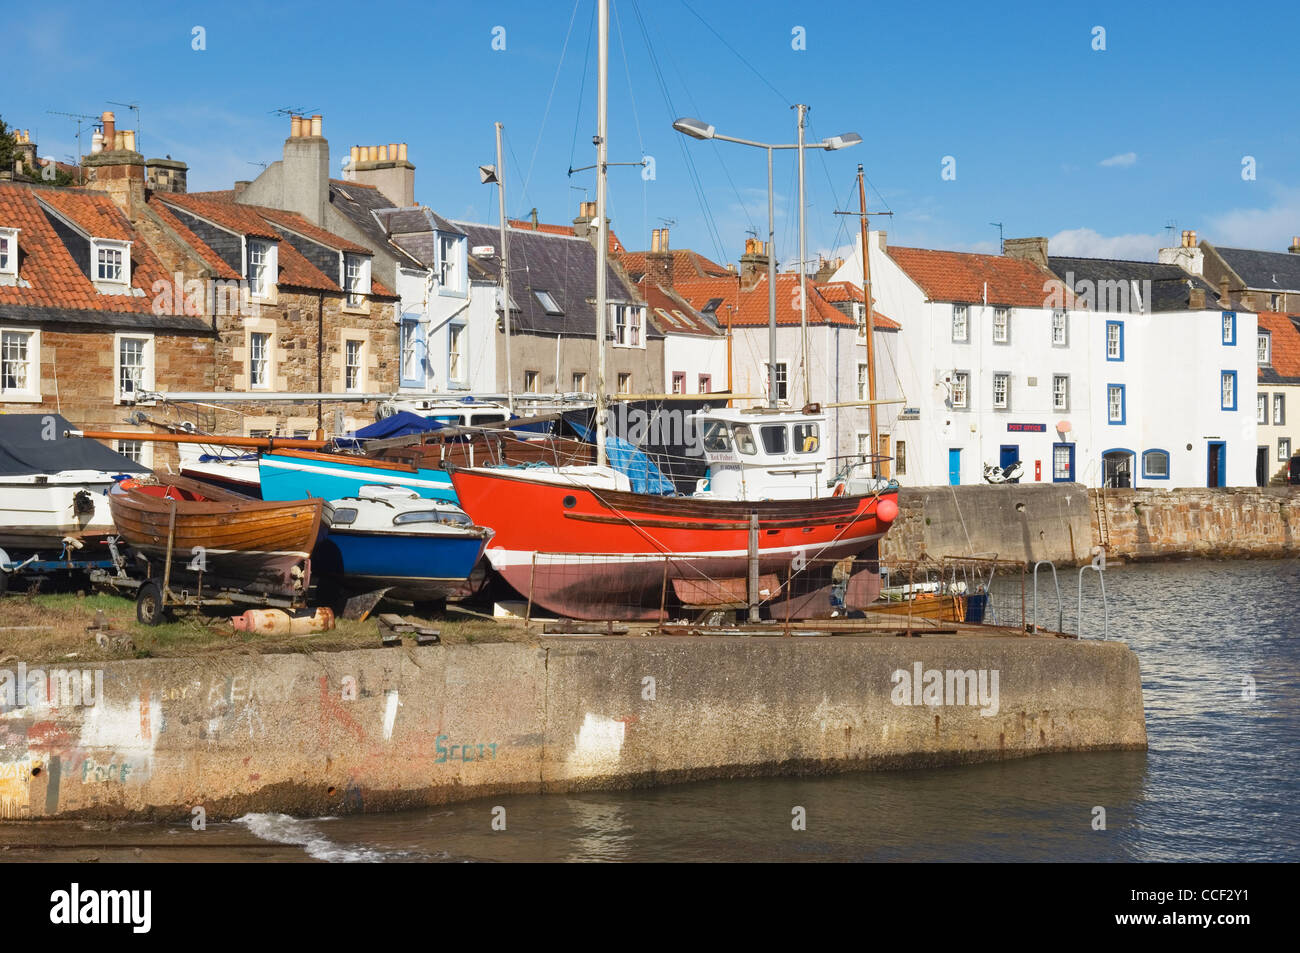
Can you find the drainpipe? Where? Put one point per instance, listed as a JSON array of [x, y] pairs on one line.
[[320, 362]]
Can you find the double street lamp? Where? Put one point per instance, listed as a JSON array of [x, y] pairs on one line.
[[698, 129]]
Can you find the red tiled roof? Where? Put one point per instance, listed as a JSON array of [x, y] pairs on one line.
[[93, 212], [751, 303], [1285, 345], [56, 279], [672, 314], [214, 261], [237, 218], [615, 246], [687, 265], [837, 291], [961, 277], [296, 223]]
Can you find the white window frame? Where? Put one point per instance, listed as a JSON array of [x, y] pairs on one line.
[[146, 381], [1063, 391], [531, 381], [110, 246], [1264, 348], [145, 459], [1261, 408], [32, 358], [451, 267], [268, 360], [1283, 449], [625, 382], [860, 319], [961, 385], [961, 319], [1112, 391], [679, 378], [1005, 402], [580, 382], [1279, 410], [1227, 390], [457, 359], [9, 259], [782, 379], [358, 382], [900, 458], [263, 284], [356, 279], [410, 337], [1002, 320], [863, 380], [1061, 315]]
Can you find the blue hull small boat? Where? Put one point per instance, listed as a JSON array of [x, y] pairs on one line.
[[387, 537]]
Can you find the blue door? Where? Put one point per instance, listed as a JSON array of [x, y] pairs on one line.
[[1009, 454], [954, 466], [1216, 464]]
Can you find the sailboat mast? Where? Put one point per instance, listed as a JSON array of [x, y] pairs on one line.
[[505, 270], [871, 322], [803, 269], [602, 240]]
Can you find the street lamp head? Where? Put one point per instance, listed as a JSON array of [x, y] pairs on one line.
[[695, 128], [842, 141]]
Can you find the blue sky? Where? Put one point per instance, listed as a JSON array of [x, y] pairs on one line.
[[1099, 150]]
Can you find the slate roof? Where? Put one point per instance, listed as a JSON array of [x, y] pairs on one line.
[[961, 277], [1284, 363], [53, 285], [214, 261], [1262, 270], [563, 265], [615, 246], [1170, 285]]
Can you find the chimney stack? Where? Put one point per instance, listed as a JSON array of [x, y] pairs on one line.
[[166, 175], [532, 216], [753, 263], [1196, 299], [117, 168], [582, 224], [386, 168], [303, 181], [1030, 249]]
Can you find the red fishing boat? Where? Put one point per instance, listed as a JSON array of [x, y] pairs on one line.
[[590, 553]]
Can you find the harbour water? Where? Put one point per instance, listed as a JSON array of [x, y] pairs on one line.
[[1219, 646]]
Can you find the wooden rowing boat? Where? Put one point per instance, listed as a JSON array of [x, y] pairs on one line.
[[230, 538]]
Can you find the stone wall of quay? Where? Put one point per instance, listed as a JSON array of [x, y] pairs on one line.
[[386, 729], [1068, 523], [1220, 523]]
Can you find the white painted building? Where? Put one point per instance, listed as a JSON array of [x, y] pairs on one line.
[[998, 363]]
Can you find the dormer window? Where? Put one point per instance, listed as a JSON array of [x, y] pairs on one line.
[[8, 253], [628, 320], [356, 279], [260, 267], [451, 272], [111, 263]]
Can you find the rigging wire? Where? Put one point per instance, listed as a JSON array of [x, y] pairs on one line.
[[736, 53], [547, 112], [582, 87]]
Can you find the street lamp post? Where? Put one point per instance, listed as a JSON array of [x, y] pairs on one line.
[[698, 129]]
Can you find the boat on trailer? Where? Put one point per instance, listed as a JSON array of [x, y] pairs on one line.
[[224, 538]]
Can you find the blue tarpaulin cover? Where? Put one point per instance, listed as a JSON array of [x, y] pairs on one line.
[[401, 424], [640, 470]]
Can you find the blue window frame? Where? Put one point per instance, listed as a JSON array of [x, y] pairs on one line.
[[1114, 340], [1062, 463], [1116, 404], [1155, 464], [1228, 390], [1230, 328]]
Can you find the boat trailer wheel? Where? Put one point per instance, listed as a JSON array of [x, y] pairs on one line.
[[149, 607]]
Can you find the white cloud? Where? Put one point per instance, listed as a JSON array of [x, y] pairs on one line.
[[1269, 229], [1124, 158], [1087, 243]]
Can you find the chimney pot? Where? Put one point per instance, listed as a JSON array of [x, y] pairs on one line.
[[129, 139], [373, 152], [355, 154], [663, 239], [295, 127], [654, 240], [110, 127], [392, 151], [383, 153], [317, 126], [1295, 245], [401, 151]]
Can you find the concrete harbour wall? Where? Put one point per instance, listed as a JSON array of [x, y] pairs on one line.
[[406, 727]]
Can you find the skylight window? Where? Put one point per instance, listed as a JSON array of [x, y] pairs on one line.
[[548, 302], [711, 306]]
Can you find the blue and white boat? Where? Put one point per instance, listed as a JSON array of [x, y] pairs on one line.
[[299, 474], [389, 537]]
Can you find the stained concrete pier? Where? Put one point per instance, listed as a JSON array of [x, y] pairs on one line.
[[396, 728]]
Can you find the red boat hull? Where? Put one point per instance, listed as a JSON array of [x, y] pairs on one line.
[[599, 554]]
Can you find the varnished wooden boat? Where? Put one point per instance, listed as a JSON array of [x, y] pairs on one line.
[[230, 538], [926, 605]]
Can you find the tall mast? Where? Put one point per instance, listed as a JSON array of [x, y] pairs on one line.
[[505, 270], [803, 276], [602, 240], [871, 322]]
